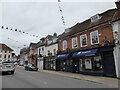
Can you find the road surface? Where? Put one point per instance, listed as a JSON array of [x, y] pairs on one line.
[[33, 79]]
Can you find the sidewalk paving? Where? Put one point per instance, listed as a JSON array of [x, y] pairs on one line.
[[112, 82]]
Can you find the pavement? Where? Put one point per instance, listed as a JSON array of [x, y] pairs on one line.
[[112, 82]]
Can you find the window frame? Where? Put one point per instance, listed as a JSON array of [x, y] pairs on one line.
[[81, 40], [63, 44], [76, 42], [91, 37]]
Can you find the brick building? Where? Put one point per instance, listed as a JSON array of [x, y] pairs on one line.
[[87, 47]]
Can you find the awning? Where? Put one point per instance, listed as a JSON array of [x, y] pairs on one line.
[[62, 56], [85, 53]]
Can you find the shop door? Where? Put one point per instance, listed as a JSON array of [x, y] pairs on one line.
[[109, 64], [76, 65]]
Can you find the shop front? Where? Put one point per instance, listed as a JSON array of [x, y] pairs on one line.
[[49, 63], [98, 62], [95, 62], [64, 62], [89, 62], [40, 63]]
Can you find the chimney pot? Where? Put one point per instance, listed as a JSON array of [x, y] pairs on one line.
[[118, 4]]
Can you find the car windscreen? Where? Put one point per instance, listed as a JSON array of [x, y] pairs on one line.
[[7, 63], [31, 65]]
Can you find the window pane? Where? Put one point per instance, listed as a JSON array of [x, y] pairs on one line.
[[74, 42], [83, 40], [94, 37]]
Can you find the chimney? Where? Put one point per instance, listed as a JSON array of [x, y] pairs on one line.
[[118, 4]]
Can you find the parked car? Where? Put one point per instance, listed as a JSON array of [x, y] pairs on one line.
[[21, 63], [7, 66], [31, 67]]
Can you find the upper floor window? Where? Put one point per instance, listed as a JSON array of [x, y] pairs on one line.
[[54, 51], [95, 18], [94, 37], [74, 42], [5, 56], [64, 44], [42, 48], [83, 40], [8, 56], [5, 51]]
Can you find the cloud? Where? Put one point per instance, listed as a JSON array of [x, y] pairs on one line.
[[43, 18]]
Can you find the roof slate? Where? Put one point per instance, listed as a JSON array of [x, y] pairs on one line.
[[5, 47], [105, 17]]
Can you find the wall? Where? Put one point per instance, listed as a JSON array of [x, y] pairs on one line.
[[51, 48], [104, 31], [7, 54], [42, 52], [116, 28]]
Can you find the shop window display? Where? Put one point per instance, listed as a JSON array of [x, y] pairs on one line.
[[91, 64]]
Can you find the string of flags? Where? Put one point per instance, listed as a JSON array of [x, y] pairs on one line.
[[15, 41], [16, 30], [63, 19]]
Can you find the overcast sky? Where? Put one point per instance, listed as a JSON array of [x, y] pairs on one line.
[[43, 18]]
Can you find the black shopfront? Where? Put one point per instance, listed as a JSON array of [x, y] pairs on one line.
[[49, 63], [64, 62], [98, 61]]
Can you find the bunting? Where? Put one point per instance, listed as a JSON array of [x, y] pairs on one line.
[[62, 17], [16, 30]]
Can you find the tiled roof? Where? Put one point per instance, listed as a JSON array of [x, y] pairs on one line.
[[116, 15], [105, 17], [33, 45], [5, 47]]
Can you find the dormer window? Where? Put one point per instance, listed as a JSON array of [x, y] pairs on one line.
[[67, 30], [95, 18]]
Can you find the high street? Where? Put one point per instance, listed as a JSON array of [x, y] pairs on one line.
[[32, 79]]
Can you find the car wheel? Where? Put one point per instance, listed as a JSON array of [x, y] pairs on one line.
[[12, 72]]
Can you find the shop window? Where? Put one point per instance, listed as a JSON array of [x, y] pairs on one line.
[[97, 63], [64, 44], [91, 64], [74, 42], [88, 64], [71, 62], [83, 40], [94, 37]]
